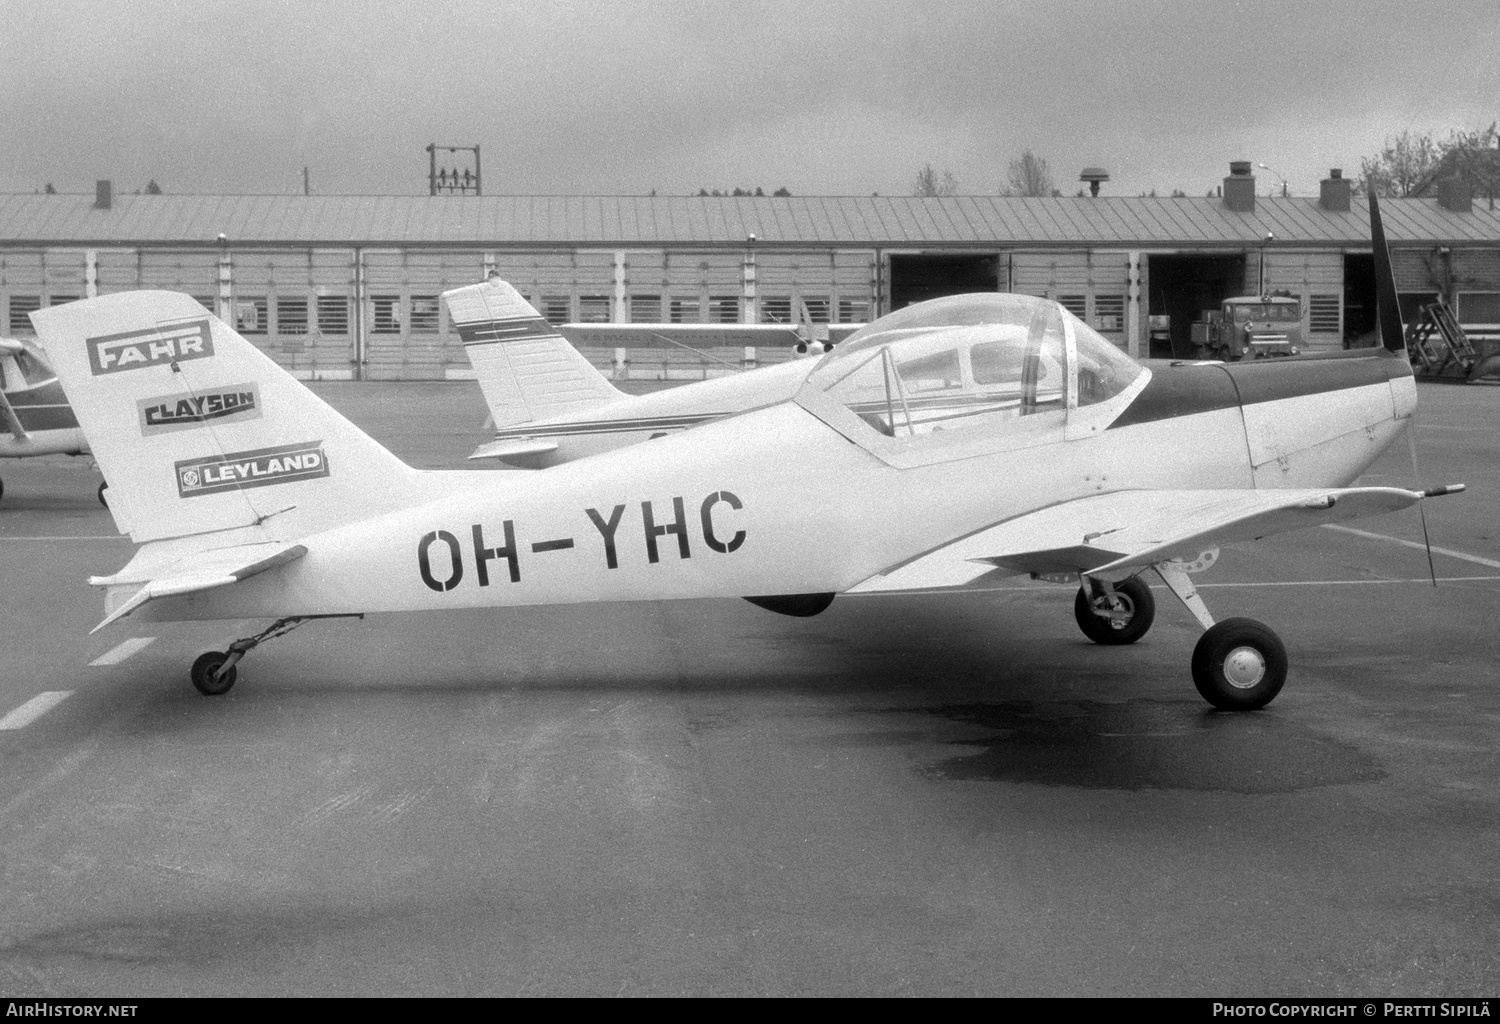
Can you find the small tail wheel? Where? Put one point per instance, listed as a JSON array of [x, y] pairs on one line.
[[103, 486], [204, 670], [1130, 612], [1239, 665]]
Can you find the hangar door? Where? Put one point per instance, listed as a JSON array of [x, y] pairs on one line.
[[32, 279], [917, 277], [836, 287], [297, 307], [1093, 286], [1317, 278], [196, 273], [406, 335]]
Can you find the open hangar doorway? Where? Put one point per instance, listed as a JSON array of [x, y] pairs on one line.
[[917, 277], [1361, 325], [1181, 288]]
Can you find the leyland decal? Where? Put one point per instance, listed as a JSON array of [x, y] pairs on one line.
[[235, 471], [154, 346], [167, 413]]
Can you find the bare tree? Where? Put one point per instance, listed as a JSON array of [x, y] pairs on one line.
[[1402, 167], [1029, 176], [1473, 156], [930, 182]]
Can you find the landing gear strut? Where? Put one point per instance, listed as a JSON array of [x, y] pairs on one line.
[[1117, 613], [214, 672], [1238, 664]]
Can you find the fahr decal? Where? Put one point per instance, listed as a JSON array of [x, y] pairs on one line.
[[184, 412], [260, 468], [441, 557], [155, 346]]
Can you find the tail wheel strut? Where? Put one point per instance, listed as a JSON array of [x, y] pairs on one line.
[[214, 672]]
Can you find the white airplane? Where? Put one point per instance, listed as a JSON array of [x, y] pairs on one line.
[[966, 437], [35, 418], [550, 405]]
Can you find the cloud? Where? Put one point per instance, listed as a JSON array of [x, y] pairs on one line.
[[826, 97]]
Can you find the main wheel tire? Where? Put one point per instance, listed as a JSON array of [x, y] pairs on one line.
[[203, 674], [103, 486], [1239, 665], [1132, 597]]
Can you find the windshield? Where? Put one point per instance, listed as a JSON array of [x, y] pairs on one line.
[[1278, 312], [970, 360], [33, 369]]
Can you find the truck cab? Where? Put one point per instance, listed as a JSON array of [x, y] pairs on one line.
[[1251, 327]]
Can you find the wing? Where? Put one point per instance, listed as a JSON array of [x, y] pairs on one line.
[[1113, 534], [203, 570], [694, 336]]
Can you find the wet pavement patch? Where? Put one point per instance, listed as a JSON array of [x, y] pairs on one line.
[[1144, 744]]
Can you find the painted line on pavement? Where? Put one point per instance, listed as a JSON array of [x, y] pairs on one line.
[[81, 536], [1035, 589], [33, 709], [1413, 544], [124, 649]]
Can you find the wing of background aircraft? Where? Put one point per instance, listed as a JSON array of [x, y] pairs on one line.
[[35, 417]]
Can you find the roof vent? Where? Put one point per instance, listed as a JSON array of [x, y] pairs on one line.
[[1454, 194], [1334, 190], [1094, 175], [104, 194], [1239, 187]]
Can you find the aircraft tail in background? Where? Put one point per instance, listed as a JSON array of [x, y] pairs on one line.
[[528, 371]]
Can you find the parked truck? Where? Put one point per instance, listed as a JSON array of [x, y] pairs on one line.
[[1251, 327]]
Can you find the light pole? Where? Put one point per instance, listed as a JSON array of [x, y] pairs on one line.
[[1270, 237], [1265, 167]]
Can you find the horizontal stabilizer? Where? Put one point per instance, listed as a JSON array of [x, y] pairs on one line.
[[203, 570], [510, 448], [1113, 534]]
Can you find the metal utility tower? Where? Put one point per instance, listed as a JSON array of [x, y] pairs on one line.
[[454, 180]]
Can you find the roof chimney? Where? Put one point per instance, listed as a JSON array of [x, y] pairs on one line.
[[104, 194], [1334, 192], [1239, 187], [1453, 194]]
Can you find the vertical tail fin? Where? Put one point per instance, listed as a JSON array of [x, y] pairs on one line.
[[197, 431], [526, 369], [1387, 308]]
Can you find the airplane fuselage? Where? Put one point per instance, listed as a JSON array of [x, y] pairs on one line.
[[722, 512], [46, 420]]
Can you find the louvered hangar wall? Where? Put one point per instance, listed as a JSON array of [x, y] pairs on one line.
[[1092, 285]]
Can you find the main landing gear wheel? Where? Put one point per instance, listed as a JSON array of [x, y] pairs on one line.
[[207, 667], [1239, 665], [1125, 617], [102, 499]]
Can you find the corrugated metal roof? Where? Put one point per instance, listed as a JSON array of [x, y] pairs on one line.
[[652, 221]]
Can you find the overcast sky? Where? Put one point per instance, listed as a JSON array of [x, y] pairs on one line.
[[830, 97]]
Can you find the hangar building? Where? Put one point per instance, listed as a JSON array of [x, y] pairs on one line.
[[345, 287]]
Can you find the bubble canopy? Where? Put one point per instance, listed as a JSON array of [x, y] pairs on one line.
[[971, 361]]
